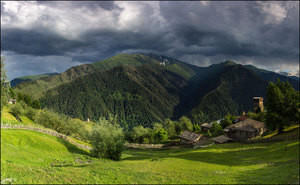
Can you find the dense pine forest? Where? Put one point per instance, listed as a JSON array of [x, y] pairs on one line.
[[141, 89]]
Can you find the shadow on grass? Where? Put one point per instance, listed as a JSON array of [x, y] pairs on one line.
[[242, 157], [284, 172], [72, 148]]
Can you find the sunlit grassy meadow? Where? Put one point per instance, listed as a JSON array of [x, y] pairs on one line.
[[31, 157]]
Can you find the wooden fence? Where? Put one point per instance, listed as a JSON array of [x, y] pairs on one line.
[[46, 131]]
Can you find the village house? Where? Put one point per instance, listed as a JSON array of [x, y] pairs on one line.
[[12, 101], [245, 129], [188, 137], [221, 139], [241, 118], [206, 126]]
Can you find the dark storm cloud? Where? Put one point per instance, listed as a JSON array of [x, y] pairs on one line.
[[264, 33], [215, 26], [89, 5], [38, 43]]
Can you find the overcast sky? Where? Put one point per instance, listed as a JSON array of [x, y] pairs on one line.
[[43, 37]]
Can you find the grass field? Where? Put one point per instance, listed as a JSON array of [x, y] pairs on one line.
[[31, 157]]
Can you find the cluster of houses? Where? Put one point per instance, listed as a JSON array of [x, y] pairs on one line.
[[243, 129]]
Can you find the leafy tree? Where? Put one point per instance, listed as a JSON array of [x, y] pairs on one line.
[[186, 123], [17, 110], [228, 120], [4, 84], [261, 116], [170, 127], [138, 134], [216, 129], [196, 128], [30, 113], [12, 93], [157, 126], [160, 135], [282, 105], [107, 141], [178, 127]]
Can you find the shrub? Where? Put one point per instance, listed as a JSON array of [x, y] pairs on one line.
[[62, 124], [107, 141], [30, 113], [16, 110]]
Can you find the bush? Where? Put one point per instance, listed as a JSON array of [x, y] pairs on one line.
[[30, 113], [107, 141], [62, 124], [17, 110]]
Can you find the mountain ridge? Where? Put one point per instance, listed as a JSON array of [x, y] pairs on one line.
[[151, 88]]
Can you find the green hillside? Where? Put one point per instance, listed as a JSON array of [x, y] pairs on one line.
[[39, 86], [31, 157], [16, 81], [138, 95]]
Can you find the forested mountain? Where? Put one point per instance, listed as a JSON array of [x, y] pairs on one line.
[[141, 89], [229, 91], [272, 76], [39, 86], [138, 95]]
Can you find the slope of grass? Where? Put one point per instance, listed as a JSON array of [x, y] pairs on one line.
[[15, 81], [6, 116], [289, 130], [30, 157]]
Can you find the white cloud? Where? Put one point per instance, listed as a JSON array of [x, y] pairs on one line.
[[274, 12]]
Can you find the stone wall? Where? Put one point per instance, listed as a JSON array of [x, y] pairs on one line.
[[46, 131]]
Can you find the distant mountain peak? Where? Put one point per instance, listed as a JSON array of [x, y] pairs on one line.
[[229, 63]]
